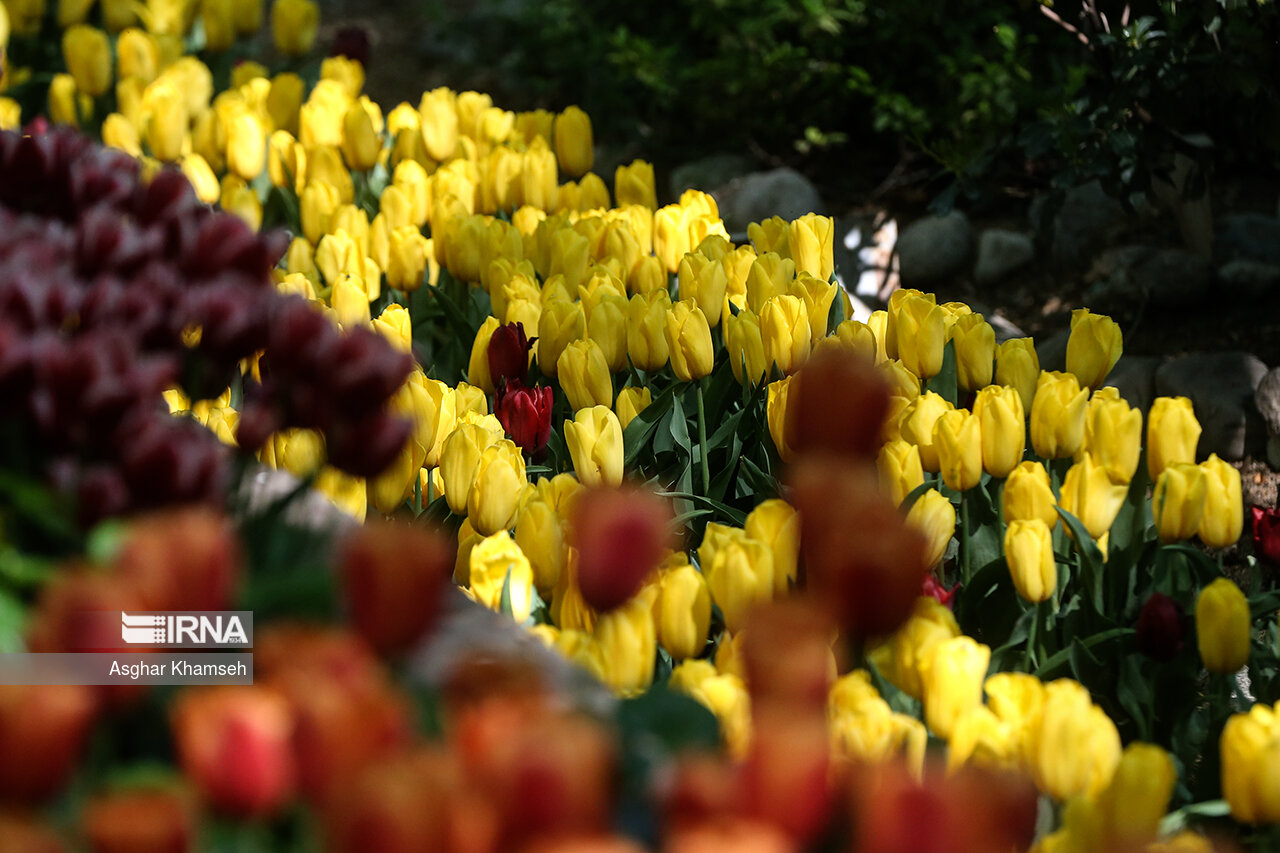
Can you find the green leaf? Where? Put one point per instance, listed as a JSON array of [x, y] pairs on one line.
[[945, 383], [1176, 821], [1052, 667], [504, 603], [680, 426], [669, 720], [635, 438], [13, 618], [735, 516]]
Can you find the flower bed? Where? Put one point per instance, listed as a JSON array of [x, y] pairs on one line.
[[869, 583]]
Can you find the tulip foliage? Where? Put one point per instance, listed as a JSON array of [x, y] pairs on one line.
[[869, 582]]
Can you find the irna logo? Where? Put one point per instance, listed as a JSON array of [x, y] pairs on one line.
[[185, 629]]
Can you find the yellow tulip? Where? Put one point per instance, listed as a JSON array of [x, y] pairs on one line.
[[1222, 626], [980, 738], [584, 375], [770, 235], [860, 338], [540, 534], [1018, 365], [935, 517], [499, 482], [247, 15], [246, 146], [689, 341], [239, 199], [284, 101], [631, 402], [219, 24], [496, 562], [390, 489], [957, 436], [1137, 798], [952, 678], [998, 409], [647, 329], [409, 259], [1057, 415], [298, 451], [286, 161], [1093, 347], [682, 612], [349, 299], [1017, 698], [137, 55], [740, 575], [917, 422], [776, 524], [318, 202], [975, 345], [1092, 497], [776, 415], [478, 366], [293, 25], [348, 73], [361, 144], [166, 129], [1028, 494], [575, 148], [1075, 746], [1250, 749], [900, 470], [560, 324], [1028, 549], [770, 275], [1113, 435], [1178, 501], [202, 179], [634, 184], [1223, 518], [811, 242], [703, 281], [11, 119], [1172, 433], [607, 327], [594, 437], [902, 382], [918, 328], [459, 458], [745, 345], [119, 132], [87, 53], [538, 178], [786, 333], [818, 295], [902, 657]]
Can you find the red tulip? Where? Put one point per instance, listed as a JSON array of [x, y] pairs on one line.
[[525, 413], [42, 730], [934, 588], [1160, 628], [509, 354], [141, 821], [1266, 533], [620, 535], [837, 405]]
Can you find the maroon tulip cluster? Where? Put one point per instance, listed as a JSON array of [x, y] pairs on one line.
[[104, 279], [525, 413]]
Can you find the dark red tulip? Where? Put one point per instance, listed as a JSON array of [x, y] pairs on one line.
[[1160, 627], [1266, 533], [620, 535], [352, 42], [509, 354], [837, 405], [525, 413]]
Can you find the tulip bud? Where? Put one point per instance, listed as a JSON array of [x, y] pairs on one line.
[[952, 677], [917, 422], [1003, 427], [776, 415], [1018, 365], [560, 324], [634, 184], [1058, 415], [1093, 348], [525, 414], [958, 439], [740, 575], [1222, 626], [702, 281], [1178, 501], [607, 326], [459, 459], [918, 328], [478, 367], [975, 345], [498, 564], [628, 645], [1249, 747], [409, 259], [43, 729], [246, 146], [201, 176], [745, 345], [594, 437], [1028, 494], [1113, 436], [1028, 549], [361, 145], [540, 535], [87, 53], [786, 333], [1223, 518], [769, 276], [934, 516], [293, 25], [1160, 627], [138, 820], [1075, 746], [393, 576], [574, 144], [584, 375], [167, 121], [219, 24], [646, 329], [508, 354], [631, 402], [689, 341], [620, 535], [849, 424], [1092, 497], [1137, 799], [900, 470], [683, 612], [1172, 434], [811, 244]]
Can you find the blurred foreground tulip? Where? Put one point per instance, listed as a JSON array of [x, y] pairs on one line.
[[42, 732], [142, 821], [620, 535], [1250, 748], [848, 422]]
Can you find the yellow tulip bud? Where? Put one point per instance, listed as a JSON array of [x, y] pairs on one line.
[[902, 382], [628, 645], [293, 25], [202, 179], [1113, 436], [1057, 415], [631, 402], [87, 53], [298, 451], [459, 459], [1093, 347], [786, 333], [574, 144], [740, 575], [770, 235], [137, 55], [689, 341], [167, 121], [776, 415], [247, 15], [594, 437], [952, 678], [1028, 549], [745, 345], [119, 132], [350, 300], [1075, 746], [286, 161], [69, 12], [811, 242], [817, 295], [538, 179], [859, 337], [607, 326], [239, 199], [683, 612], [975, 345], [776, 524], [902, 657], [1004, 428], [1017, 698], [980, 738], [348, 73], [1222, 626], [1172, 433], [246, 146], [499, 481], [1223, 518], [11, 119], [957, 436], [219, 24], [647, 329], [918, 329], [1137, 798], [634, 184], [318, 202], [478, 366], [770, 275], [540, 534], [935, 517], [408, 258], [1250, 749], [1091, 496], [703, 281], [670, 236], [497, 562], [584, 375], [301, 258], [1027, 494], [559, 324], [1018, 365], [361, 144], [917, 422], [284, 101], [1178, 501], [898, 464]]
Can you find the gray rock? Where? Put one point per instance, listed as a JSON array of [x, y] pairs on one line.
[[1221, 386], [1248, 279], [1084, 223], [1052, 351], [780, 192], [1001, 252], [1134, 376], [1174, 278], [934, 248], [1273, 451], [708, 173], [1266, 397], [1005, 329], [1252, 236]]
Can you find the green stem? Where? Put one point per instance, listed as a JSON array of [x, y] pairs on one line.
[[966, 569], [702, 440]]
